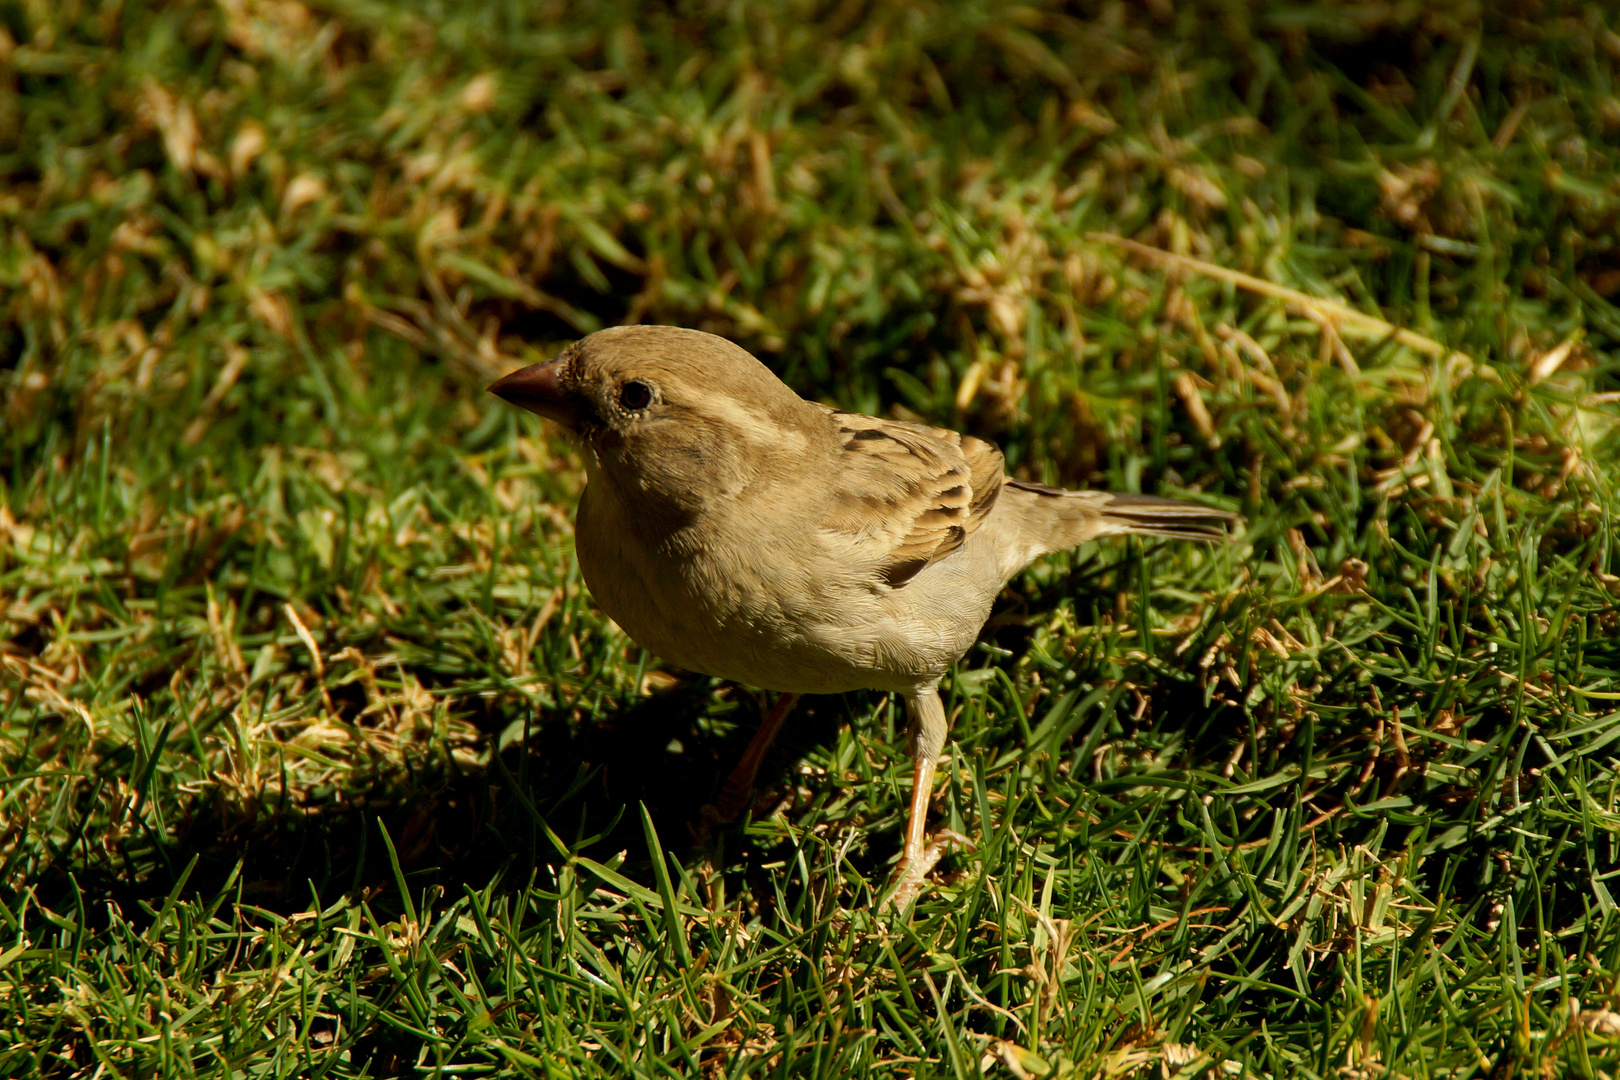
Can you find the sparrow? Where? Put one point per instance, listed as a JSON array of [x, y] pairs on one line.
[[734, 528]]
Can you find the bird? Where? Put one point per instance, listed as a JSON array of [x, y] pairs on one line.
[[732, 527]]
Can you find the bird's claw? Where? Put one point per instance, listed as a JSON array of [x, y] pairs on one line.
[[912, 872]]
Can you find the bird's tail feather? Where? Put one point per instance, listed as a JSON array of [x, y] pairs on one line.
[[1149, 515], [1068, 518]]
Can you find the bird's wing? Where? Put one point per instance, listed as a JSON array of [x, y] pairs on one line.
[[909, 494]]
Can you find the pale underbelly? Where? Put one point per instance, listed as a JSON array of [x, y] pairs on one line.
[[720, 618], [849, 646]]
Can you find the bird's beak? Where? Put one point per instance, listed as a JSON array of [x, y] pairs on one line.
[[538, 389]]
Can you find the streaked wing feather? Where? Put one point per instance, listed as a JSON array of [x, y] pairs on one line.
[[913, 493]]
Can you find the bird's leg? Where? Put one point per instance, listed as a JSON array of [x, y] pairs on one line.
[[740, 784], [922, 792], [926, 735]]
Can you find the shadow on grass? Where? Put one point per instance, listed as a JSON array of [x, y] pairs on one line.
[[566, 788]]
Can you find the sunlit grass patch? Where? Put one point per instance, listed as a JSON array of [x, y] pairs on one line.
[[320, 760]]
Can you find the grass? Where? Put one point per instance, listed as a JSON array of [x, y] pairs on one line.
[[320, 762]]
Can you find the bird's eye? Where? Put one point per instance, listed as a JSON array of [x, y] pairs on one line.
[[635, 395]]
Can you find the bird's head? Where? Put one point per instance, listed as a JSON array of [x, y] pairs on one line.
[[677, 416]]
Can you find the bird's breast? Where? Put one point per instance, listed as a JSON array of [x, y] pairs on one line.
[[783, 612]]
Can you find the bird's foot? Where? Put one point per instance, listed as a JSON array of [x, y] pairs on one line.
[[734, 799], [913, 871]]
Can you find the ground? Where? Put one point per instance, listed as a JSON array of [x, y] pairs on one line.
[[320, 762]]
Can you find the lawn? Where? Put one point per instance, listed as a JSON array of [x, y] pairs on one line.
[[319, 761]]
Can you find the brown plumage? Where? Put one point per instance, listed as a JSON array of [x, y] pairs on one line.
[[733, 528]]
